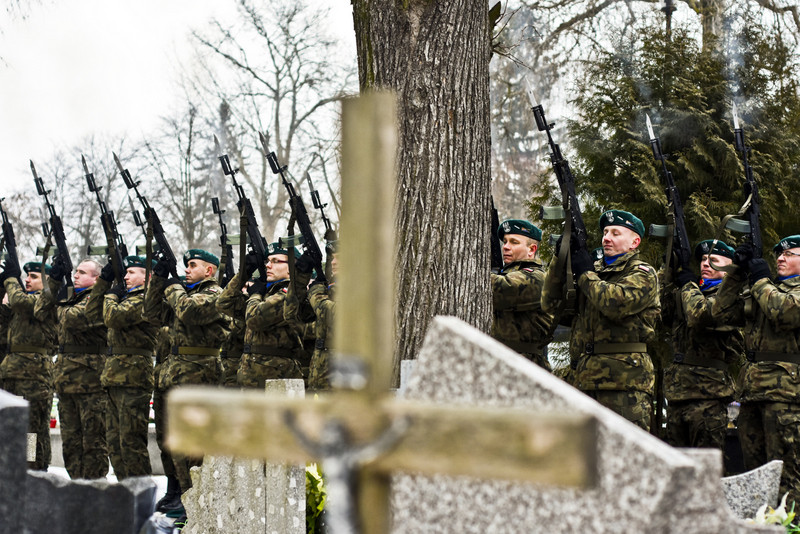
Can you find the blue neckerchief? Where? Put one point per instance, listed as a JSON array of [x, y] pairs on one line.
[[782, 278], [611, 259], [133, 288], [80, 289], [270, 284], [706, 284], [191, 286]]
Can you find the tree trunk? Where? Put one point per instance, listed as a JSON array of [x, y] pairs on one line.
[[435, 55]]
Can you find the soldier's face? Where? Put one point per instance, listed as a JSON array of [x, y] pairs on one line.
[[85, 275], [33, 282], [518, 247], [334, 264], [198, 270], [619, 240], [707, 271], [789, 262], [134, 277], [277, 267]]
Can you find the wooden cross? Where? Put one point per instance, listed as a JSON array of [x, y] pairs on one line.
[[365, 428]]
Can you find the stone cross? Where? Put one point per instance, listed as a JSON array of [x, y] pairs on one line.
[[360, 431]]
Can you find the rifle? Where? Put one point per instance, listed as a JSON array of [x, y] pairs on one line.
[[752, 204], [56, 231], [298, 210], [226, 270], [258, 245], [330, 235], [117, 251], [164, 251], [10, 242], [494, 243], [674, 199]]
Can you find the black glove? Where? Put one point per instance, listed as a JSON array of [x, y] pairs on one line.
[[681, 261], [257, 288], [759, 268], [10, 270], [743, 255], [684, 276], [251, 264], [581, 262], [172, 281], [119, 289], [107, 273], [59, 268], [163, 268], [304, 263]]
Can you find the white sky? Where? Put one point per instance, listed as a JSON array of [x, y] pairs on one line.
[[81, 67]]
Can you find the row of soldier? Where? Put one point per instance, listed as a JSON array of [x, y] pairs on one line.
[[735, 334], [106, 338]]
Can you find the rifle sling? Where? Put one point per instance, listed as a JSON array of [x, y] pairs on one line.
[[148, 252], [728, 268], [242, 243]]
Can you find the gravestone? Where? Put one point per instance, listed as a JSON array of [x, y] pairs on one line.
[[748, 491], [247, 496], [13, 466], [644, 484]]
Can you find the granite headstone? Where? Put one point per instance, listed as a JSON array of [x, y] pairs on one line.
[[13, 466]]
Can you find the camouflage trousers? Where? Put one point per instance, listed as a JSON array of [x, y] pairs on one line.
[[83, 434], [40, 399], [230, 368], [319, 374], [159, 413], [771, 431], [697, 423], [255, 370], [126, 431], [635, 406]]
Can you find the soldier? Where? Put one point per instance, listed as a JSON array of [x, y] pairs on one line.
[[27, 369], [82, 401], [128, 372], [769, 419], [698, 385], [270, 341], [196, 333], [519, 321], [617, 309]]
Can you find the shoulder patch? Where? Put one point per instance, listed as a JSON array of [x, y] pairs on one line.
[[214, 289], [645, 268], [527, 269], [285, 289]]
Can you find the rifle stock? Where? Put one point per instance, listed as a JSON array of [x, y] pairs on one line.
[[751, 193], [9, 241], [56, 230], [117, 251]]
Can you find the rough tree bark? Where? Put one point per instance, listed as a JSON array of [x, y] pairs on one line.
[[435, 55]]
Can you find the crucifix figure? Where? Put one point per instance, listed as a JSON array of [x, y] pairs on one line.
[[360, 431]]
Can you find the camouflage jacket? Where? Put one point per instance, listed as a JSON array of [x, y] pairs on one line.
[[233, 303], [321, 297], [772, 326], [618, 303], [266, 325], [128, 332], [25, 327], [162, 350], [82, 342], [698, 335], [519, 320]]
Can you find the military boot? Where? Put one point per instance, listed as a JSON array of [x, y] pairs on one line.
[[171, 500]]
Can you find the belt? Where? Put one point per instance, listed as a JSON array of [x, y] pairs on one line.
[[700, 361], [772, 356], [614, 348], [24, 347], [230, 354], [196, 351], [523, 347], [82, 349], [267, 350], [118, 351]]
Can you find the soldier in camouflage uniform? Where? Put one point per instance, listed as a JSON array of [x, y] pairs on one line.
[[270, 341], [5, 319], [519, 321], [27, 370], [769, 419], [196, 333], [617, 309], [698, 385], [128, 372], [82, 401]]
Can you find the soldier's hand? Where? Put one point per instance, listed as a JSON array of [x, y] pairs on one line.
[[251, 264], [163, 268], [581, 262], [59, 268], [304, 263], [119, 290], [172, 281], [257, 288], [759, 268], [107, 273], [681, 261], [685, 276], [10, 270], [743, 254]]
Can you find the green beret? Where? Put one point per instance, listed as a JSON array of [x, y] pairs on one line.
[[36, 267], [622, 218], [519, 227], [332, 246], [721, 249], [791, 241], [199, 254], [277, 248], [138, 261]]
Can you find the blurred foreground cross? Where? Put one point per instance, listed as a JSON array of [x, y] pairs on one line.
[[360, 432]]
